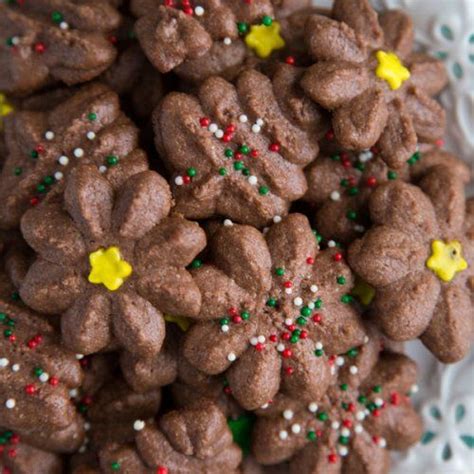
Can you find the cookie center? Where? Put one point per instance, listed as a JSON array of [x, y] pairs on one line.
[[108, 268], [446, 259], [391, 69]]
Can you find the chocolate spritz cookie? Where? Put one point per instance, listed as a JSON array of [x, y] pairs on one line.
[[182, 441], [36, 376], [378, 90], [274, 308], [200, 39], [366, 412], [111, 263], [238, 151], [48, 41], [419, 257], [44, 146], [339, 187]]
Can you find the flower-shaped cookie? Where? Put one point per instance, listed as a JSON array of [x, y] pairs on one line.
[[57, 40], [36, 375], [377, 89], [419, 257], [183, 441], [339, 187], [282, 307], [199, 40], [365, 411], [43, 147], [112, 264], [238, 151]]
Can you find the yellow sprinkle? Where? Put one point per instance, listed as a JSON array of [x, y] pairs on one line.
[[181, 321], [265, 39], [446, 259], [391, 69], [108, 268]]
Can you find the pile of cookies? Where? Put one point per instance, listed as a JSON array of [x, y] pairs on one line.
[[220, 220]]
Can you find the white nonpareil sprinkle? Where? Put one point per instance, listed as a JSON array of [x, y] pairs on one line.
[[314, 288], [254, 340], [345, 432], [225, 328], [298, 301], [58, 176], [260, 122], [63, 25], [82, 449], [138, 425], [288, 291], [44, 377], [178, 181], [90, 135], [261, 339], [102, 169], [311, 305], [358, 428], [228, 223], [343, 451], [288, 414], [280, 347], [199, 11], [276, 219], [414, 389], [256, 128], [359, 228], [296, 428], [16, 40], [219, 133], [78, 152], [360, 415], [353, 369], [313, 407], [15, 367], [335, 425], [10, 403], [49, 135], [378, 401], [340, 361], [335, 195], [79, 356], [227, 41], [331, 244], [73, 392], [365, 156], [87, 426], [265, 406], [366, 339], [283, 435], [243, 118], [253, 180], [213, 127], [319, 345], [288, 321], [63, 160], [4, 362], [231, 357], [382, 442]]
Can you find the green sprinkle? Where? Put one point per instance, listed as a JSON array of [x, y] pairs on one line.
[[246, 172], [311, 435], [112, 160], [377, 388], [7, 332], [228, 153], [196, 263], [3, 316], [343, 440], [34, 154], [18, 171], [279, 271], [267, 21], [322, 416], [392, 175], [224, 321], [343, 387], [245, 315], [341, 280], [16, 296], [92, 116], [352, 352], [238, 165], [38, 371], [242, 27], [301, 321], [272, 302], [244, 149], [318, 303], [362, 399], [353, 191], [222, 171], [351, 215], [318, 352], [294, 339], [41, 188], [335, 158], [57, 17], [191, 172], [360, 166], [344, 183], [305, 311], [49, 180], [115, 466], [346, 299], [263, 190]]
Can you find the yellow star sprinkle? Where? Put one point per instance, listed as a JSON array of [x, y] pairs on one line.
[[181, 321], [446, 259], [364, 292], [108, 268], [265, 39], [391, 69], [5, 109]]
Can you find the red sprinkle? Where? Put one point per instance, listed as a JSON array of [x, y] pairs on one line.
[[395, 398], [376, 412], [34, 201], [161, 470], [237, 319], [15, 439], [287, 353], [259, 347], [273, 338], [12, 338], [12, 453], [287, 284], [289, 370], [310, 260], [317, 318], [53, 381], [204, 121], [186, 179], [254, 153], [30, 389], [286, 336], [351, 407], [275, 147], [39, 48], [337, 257], [347, 423], [371, 181], [290, 60], [329, 135], [332, 458], [303, 335], [227, 390]]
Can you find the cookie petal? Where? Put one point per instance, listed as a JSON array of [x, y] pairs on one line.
[[314, 458], [362, 18], [52, 233], [398, 32], [208, 348], [450, 333], [404, 309], [333, 84], [138, 325], [385, 255], [359, 124], [330, 40], [85, 326], [427, 73], [143, 201], [89, 200], [172, 290], [255, 377], [366, 456], [398, 140], [429, 118], [50, 288]]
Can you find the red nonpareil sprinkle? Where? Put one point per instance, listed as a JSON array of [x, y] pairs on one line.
[[254, 153], [319, 433], [374, 150], [38, 338], [39, 48], [12, 338], [317, 318], [168, 3], [292, 327], [288, 284], [12, 453], [15, 439], [310, 261], [53, 381], [395, 398], [351, 407], [289, 370], [237, 319], [290, 60], [87, 400], [232, 311], [376, 412], [259, 347], [303, 335], [287, 353], [227, 390], [352, 180], [34, 201], [238, 156], [332, 458], [227, 137], [32, 344], [275, 147], [248, 2], [6, 470], [337, 257], [30, 389], [39, 148], [273, 338], [286, 336], [329, 135], [161, 470], [371, 181], [204, 122], [346, 163], [332, 360], [113, 39], [439, 143], [186, 179], [188, 10], [375, 439], [230, 128], [347, 423]]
